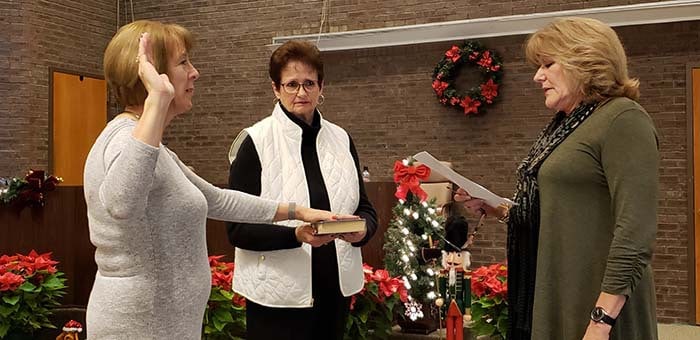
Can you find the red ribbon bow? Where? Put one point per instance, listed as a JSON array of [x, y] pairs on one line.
[[408, 178]]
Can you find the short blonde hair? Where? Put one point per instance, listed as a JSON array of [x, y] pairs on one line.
[[120, 66], [590, 53]]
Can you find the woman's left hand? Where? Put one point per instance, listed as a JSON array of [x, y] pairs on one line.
[[353, 237], [597, 331]]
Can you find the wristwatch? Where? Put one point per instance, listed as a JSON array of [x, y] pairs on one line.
[[599, 315]]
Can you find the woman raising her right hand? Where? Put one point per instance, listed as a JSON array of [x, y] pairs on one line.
[[146, 210]]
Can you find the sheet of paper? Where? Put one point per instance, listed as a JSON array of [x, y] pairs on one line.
[[474, 189]]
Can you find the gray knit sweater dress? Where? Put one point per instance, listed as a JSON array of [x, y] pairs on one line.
[[147, 214]]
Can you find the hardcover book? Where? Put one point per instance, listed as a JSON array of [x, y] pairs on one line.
[[339, 226]]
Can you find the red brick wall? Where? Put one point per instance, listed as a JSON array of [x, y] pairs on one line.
[[70, 35], [381, 96]]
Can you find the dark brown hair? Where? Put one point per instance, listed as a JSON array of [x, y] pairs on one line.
[[295, 50]]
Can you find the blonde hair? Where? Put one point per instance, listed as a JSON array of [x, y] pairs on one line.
[[590, 54], [120, 66]]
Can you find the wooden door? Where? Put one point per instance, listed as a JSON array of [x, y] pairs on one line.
[[78, 113]]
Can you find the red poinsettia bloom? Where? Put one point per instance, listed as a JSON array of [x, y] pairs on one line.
[[221, 272], [222, 280], [380, 275], [31, 263], [10, 281], [489, 90], [490, 281], [353, 299], [474, 55], [495, 67], [453, 53], [386, 286], [238, 300], [470, 105], [485, 60], [440, 87], [454, 101]]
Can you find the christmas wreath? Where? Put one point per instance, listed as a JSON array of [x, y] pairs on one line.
[[471, 53]]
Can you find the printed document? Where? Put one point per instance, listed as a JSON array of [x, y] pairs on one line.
[[475, 190]]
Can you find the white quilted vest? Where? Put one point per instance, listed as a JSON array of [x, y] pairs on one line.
[[282, 278]]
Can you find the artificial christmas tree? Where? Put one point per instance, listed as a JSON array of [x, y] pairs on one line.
[[416, 223]]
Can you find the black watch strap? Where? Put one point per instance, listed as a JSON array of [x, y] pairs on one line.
[[600, 315]]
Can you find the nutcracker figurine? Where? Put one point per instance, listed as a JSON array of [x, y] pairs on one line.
[[70, 331], [454, 281]]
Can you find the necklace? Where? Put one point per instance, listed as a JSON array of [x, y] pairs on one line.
[[138, 116]]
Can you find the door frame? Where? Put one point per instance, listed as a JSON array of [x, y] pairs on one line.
[[693, 229], [52, 69]]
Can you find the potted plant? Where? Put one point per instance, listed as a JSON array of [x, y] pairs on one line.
[[30, 285], [29, 191], [489, 308], [224, 317], [372, 309]]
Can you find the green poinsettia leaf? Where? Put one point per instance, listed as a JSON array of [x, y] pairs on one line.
[[27, 287], [12, 300], [216, 295], [218, 325], [487, 302], [483, 328], [223, 316], [53, 283], [4, 327], [5, 311], [227, 294]]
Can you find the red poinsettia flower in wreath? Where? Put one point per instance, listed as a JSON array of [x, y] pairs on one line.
[[439, 86], [489, 90], [470, 105], [473, 99], [453, 53]]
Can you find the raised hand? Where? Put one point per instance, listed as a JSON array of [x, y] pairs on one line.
[[156, 84]]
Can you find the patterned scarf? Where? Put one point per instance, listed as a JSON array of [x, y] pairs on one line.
[[524, 221]]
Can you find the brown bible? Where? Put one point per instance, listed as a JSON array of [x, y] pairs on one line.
[[340, 226]]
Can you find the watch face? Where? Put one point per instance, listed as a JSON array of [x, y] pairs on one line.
[[597, 314]]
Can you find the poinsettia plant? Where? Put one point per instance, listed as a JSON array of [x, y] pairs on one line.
[[372, 309], [489, 285], [30, 286], [224, 317], [28, 191]]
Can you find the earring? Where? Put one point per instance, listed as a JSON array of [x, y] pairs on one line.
[[321, 100]]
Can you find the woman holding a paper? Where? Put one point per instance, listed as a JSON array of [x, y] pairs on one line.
[[298, 283], [581, 234]]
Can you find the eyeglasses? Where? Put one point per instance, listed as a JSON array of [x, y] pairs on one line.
[[292, 87]]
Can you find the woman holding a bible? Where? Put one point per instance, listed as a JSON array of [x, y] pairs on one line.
[[297, 282]]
